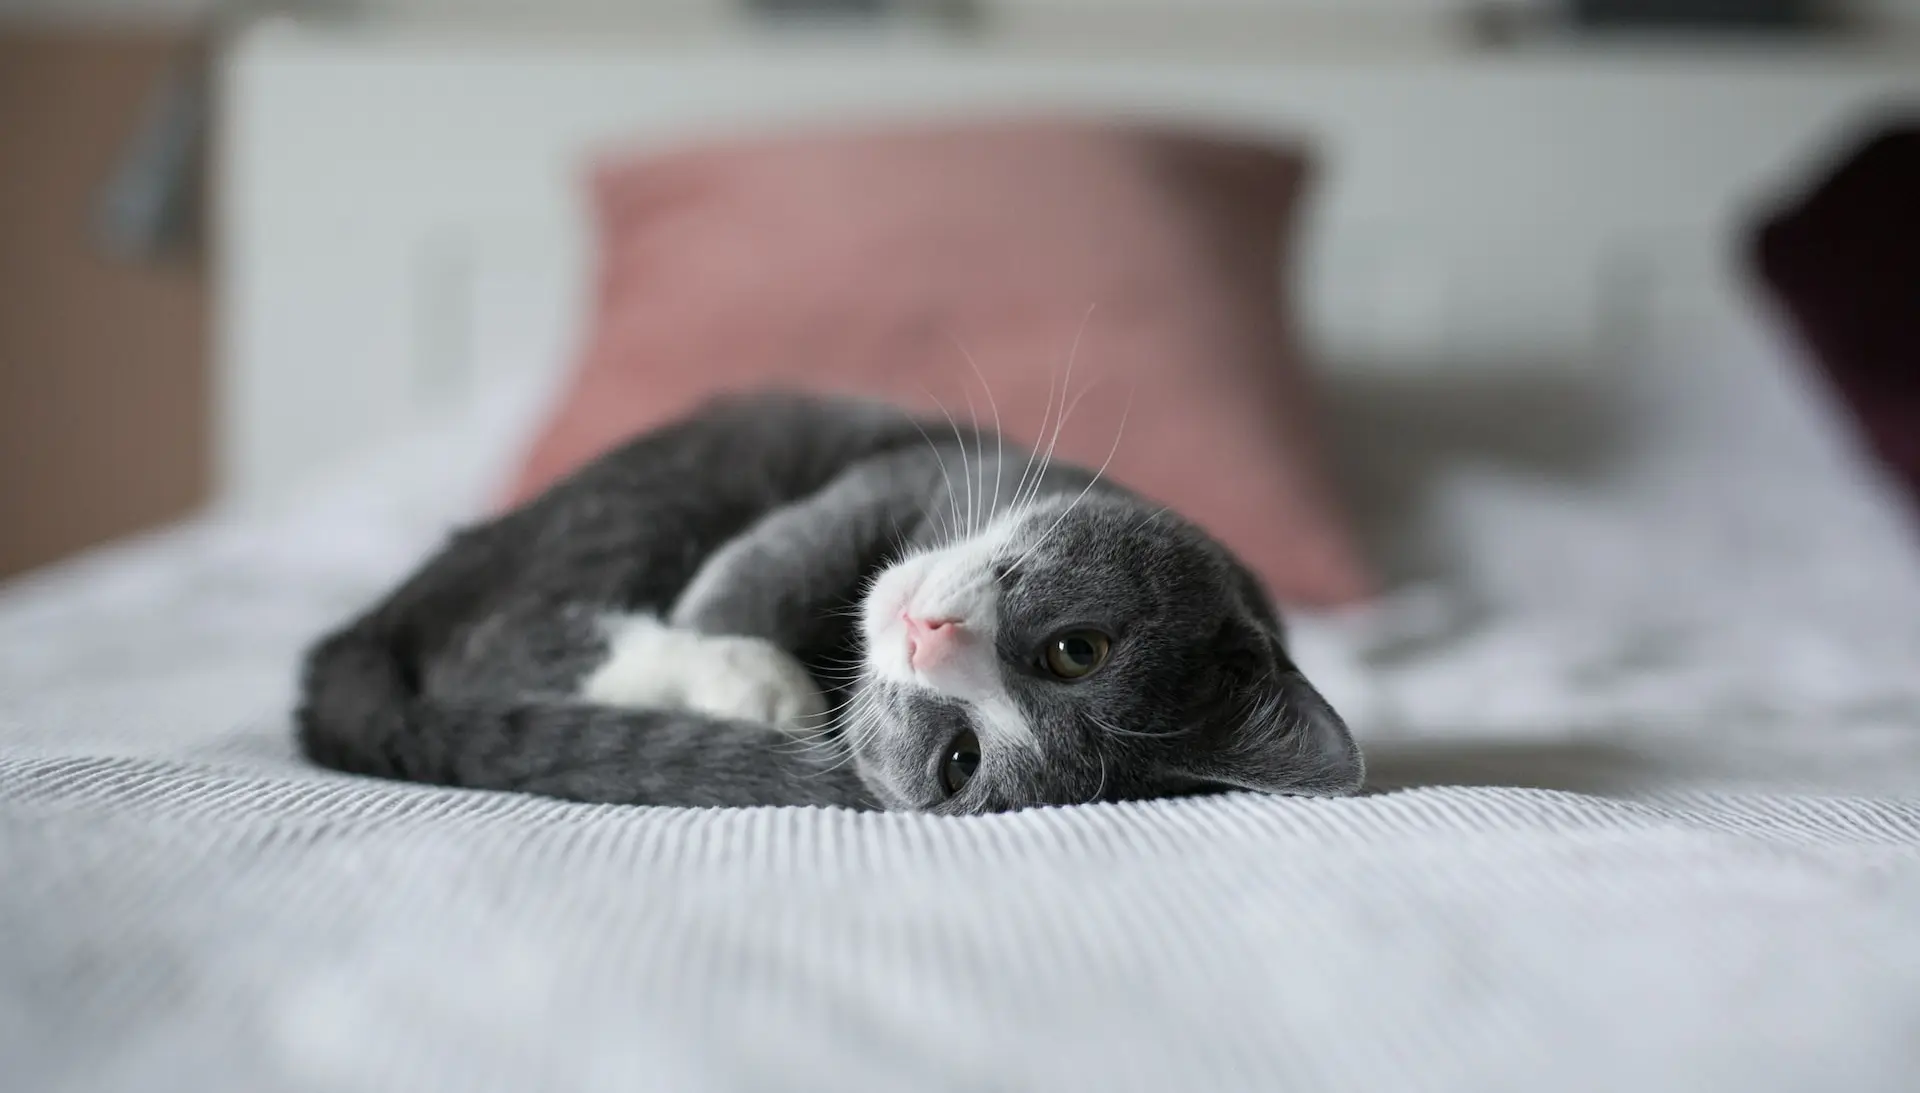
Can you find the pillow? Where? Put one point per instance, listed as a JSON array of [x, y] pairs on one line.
[[878, 262], [1843, 262]]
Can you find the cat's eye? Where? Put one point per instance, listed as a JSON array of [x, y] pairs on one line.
[[1076, 654], [959, 763]]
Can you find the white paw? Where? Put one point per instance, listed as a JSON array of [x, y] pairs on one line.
[[652, 665], [754, 680]]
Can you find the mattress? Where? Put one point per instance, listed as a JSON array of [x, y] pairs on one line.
[[1645, 737]]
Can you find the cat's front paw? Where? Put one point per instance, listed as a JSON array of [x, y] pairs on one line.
[[754, 680], [650, 665]]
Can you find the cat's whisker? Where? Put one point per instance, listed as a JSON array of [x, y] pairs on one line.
[[824, 764], [1037, 459], [999, 438], [1066, 385], [1058, 426], [1111, 729], [841, 678], [815, 740], [1102, 787], [861, 726], [1151, 517], [966, 528], [829, 713], [825, 718], [1039, 469], [822, 737], [1118, 432], [818, 746], [843, 685], [938, 458], [1033, 451], [979, 465]]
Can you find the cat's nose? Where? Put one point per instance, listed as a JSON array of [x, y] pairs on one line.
[[930, 640]]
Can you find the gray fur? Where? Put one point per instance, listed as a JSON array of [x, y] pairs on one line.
[[770, 517]]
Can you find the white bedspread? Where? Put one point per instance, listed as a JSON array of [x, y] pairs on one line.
[[1657, 718]]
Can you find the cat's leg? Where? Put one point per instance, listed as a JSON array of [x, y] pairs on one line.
[[802, 561], [650, 665], [773, 588]]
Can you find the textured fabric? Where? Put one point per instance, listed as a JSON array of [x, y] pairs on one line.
[[953, 268], [211, 932], [1657, 720]]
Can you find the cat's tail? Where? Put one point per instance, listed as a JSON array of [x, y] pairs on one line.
[[361, 712]]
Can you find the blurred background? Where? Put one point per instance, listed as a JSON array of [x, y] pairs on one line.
[[109, 289], [1609, 304]]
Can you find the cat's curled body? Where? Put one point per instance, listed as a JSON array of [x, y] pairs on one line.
[[787, 600]]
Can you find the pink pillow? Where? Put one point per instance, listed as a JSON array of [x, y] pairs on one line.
[[863, 261]]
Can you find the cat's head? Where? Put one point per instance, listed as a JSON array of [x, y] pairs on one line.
[[1079, 652]]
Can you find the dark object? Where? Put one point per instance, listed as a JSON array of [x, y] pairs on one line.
[[1503, 24], [948, 14], [1709, 14], [150, 204], [1844, 263], [831, 8]]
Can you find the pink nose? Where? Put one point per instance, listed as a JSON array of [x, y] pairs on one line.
[[929, 641]]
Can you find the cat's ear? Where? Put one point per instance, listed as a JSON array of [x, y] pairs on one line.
[[1265, 728]]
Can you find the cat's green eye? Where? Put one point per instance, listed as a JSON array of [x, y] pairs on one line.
[[1076, 654]]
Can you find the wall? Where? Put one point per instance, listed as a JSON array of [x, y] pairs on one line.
[[104, 390], [105, 394], [1905, 13]]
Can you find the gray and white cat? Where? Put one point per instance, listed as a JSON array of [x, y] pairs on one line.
[[786, 600]]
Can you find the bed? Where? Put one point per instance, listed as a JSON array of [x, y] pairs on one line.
[[1641, 708]]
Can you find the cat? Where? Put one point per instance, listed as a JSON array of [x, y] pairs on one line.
[[794, 600]]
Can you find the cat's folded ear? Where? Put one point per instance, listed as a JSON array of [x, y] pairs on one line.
[[1266, 729]]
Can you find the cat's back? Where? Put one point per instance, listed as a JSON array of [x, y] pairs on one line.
[[633, 525], [751, 449]]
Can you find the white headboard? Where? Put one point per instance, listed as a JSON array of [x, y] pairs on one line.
[[400, 213]]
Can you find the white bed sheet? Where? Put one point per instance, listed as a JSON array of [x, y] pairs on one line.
[[1655, 715]]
